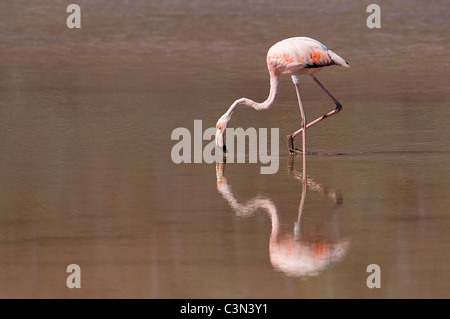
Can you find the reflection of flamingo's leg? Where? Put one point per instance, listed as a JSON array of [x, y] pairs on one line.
[[297, 227], [292, 256], [314, 186]]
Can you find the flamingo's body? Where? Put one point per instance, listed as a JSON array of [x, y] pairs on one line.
[[301, 55], [294, 56]]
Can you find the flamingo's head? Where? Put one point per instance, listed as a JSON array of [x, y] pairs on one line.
[[221, 126]]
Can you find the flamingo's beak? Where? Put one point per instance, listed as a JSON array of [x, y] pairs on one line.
[[220, 140]]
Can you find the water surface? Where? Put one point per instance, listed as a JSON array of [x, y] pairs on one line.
[[86, 118]]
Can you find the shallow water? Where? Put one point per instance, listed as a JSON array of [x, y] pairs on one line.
[[87, 177]]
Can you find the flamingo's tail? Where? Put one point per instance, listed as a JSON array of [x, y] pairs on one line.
[[337, 60]]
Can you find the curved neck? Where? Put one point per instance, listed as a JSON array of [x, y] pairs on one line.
[[251, 207], [273, 94]]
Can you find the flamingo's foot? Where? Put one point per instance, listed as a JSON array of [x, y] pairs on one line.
[[291, 149], [290, 145], [297, 151]]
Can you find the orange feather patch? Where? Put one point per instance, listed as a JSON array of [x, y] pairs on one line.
[[316, 57]]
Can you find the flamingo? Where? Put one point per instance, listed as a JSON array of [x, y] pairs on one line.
[[294, 56]]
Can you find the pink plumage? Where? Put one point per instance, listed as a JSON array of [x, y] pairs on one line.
[[294, 56], [301, 55]]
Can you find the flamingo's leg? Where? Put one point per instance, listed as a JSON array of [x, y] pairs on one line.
[[296, 81], [336, 110]]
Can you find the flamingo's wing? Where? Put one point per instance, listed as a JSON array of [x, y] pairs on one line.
[[292, 55]]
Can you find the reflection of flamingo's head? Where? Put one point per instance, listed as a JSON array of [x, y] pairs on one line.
[[221, 126]]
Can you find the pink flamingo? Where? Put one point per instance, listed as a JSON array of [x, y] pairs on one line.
[[293, 56]]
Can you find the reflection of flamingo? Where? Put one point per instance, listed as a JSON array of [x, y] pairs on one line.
[[289, 254], [293, 56]]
